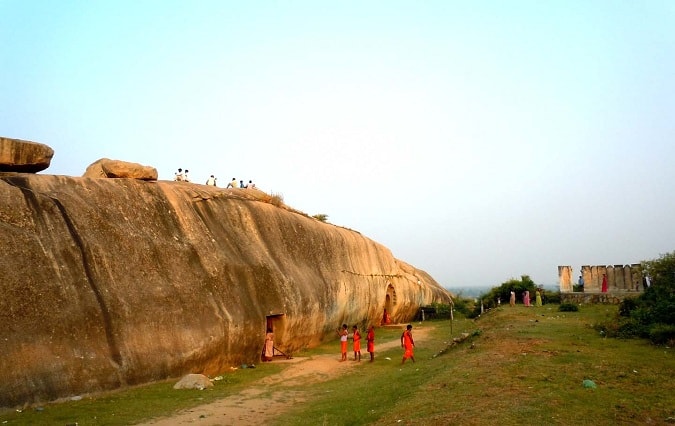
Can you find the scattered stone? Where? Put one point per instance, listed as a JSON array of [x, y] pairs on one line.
[[193, 381], [21, 156], [107, 168]]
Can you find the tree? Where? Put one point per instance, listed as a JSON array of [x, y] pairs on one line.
[[659, 298], [652, 314], [503, 292]]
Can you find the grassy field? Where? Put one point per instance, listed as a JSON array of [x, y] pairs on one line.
[[521, 366]]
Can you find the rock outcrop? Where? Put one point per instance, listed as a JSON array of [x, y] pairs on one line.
[[106, 168], [24, 156], [194, 381], [114, 282]]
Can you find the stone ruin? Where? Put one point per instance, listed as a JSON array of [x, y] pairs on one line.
[[620, 278]]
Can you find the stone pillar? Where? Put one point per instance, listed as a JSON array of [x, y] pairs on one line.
[[565, 278], [627, 278], [588, 277], [611, 280], [595, 281], [636, 276], [619, 281]]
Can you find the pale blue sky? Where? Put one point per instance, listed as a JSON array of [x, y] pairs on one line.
[[477, 140]]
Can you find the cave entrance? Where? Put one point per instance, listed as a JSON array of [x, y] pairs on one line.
[[389, 304], [275, 322]]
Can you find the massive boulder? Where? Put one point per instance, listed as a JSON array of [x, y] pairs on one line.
[[21, 156], [114, 282], [106, 168]]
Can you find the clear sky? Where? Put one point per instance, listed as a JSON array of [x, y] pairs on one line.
[[479, 141]]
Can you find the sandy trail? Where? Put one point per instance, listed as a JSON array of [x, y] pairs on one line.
[[258, 403]]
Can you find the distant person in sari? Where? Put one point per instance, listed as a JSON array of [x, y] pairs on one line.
[[344, 334], [512, 300], [604, 283], [268, 352], [356, 338], [407, 343], [370, 338], [526, 298], [538, 298]]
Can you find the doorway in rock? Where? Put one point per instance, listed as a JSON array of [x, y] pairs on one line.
[[389, 303], [275, 322]]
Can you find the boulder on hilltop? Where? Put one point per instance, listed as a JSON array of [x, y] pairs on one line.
[[21, 156], [107, 168]]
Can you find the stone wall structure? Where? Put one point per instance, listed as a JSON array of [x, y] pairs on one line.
[[620, 278]]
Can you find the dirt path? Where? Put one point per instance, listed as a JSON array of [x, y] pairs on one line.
[[258, 403]]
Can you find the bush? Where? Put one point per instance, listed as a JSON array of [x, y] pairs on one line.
[[652, 314], [503, 293], [277, 200], [321, 217], [551, 296], [568, 307], [463, 306], [626, 306], [662, 334]]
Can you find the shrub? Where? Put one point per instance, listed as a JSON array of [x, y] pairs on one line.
[[503, 293], [463, 305], [568, 307], [626, 306], [276, 200], [551, 296], [662, 334], [321, 217]]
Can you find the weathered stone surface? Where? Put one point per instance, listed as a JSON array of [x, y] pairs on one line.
[[193, 381], [113, 282], [106, 168], [21, 156], [597, 298]]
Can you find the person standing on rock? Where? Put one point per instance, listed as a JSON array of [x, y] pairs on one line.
[[344, 333], [407, 343], [370, 337], [356, 337]]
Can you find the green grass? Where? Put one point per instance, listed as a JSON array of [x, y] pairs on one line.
[[522, 366], [526, 366], [130, 406]]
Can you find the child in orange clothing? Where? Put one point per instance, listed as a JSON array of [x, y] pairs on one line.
[[370, 338], [357, 343]]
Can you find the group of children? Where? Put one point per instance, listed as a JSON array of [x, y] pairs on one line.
[[407, 343]]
